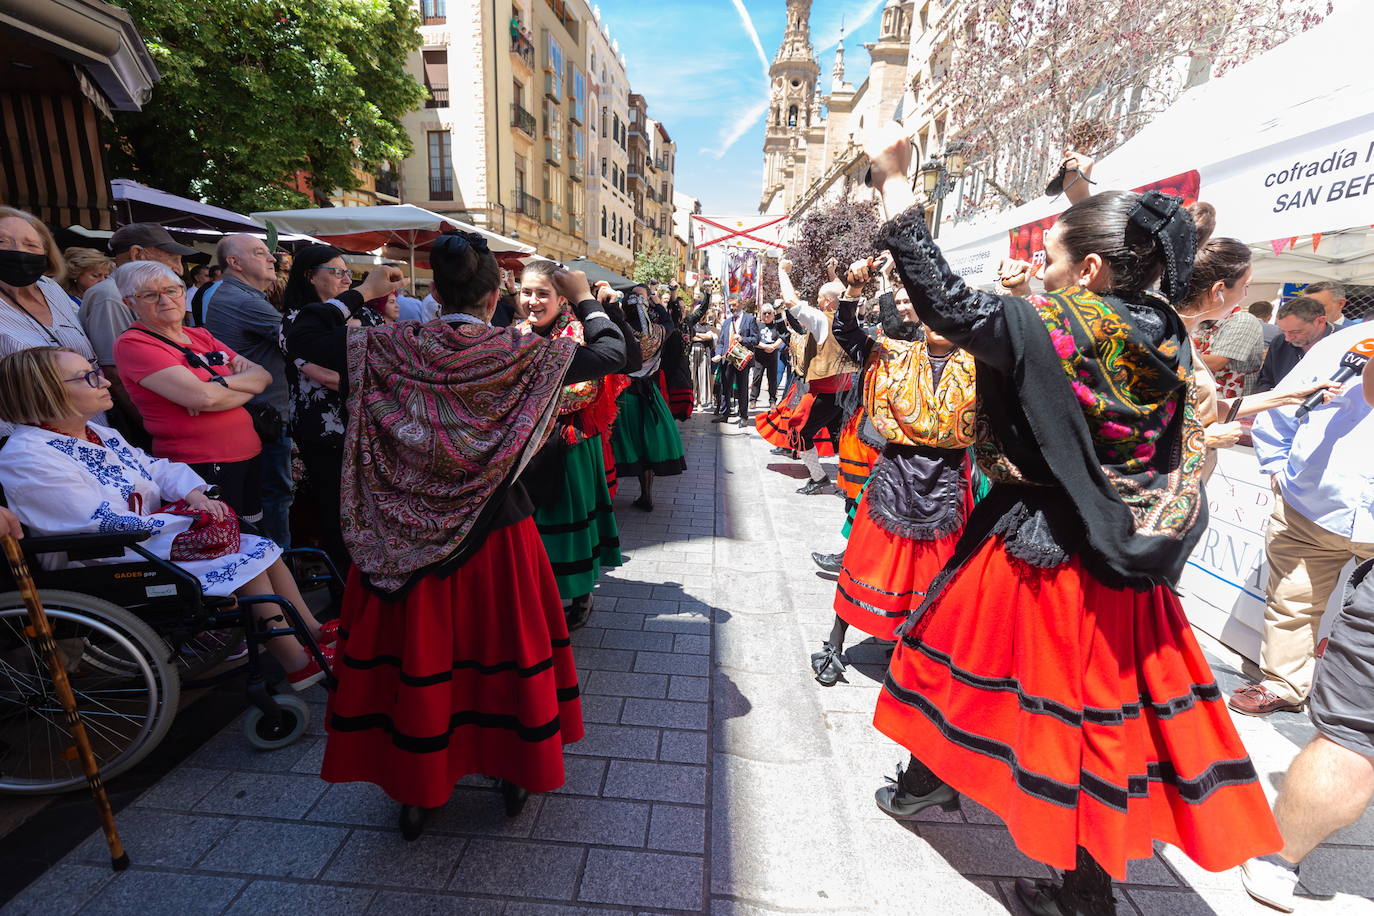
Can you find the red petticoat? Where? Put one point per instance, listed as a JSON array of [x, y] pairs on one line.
[[472, 673], [1081, 715], [782, 425], [885, 575], [856, 457]]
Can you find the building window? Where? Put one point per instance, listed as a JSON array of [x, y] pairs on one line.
[[440, 165], [603, 166], [436, 77], [434, 11], [553, 67], [577, 110], [603, 222]]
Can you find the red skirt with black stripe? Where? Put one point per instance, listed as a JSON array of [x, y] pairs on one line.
[[782, 425], [1080, 714], [469, 673], [856, 457], [885, 575]]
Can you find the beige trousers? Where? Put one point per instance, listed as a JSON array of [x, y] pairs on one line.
[[1305, 563]]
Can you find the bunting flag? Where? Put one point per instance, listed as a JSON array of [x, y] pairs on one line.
[[1316, 240], [1278, 245]]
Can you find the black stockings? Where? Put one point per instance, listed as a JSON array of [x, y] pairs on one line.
[[837, 633]]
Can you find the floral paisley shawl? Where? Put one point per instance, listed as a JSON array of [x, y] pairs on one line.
[[905, 405], [440, 416]]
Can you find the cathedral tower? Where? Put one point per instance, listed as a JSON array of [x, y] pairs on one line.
[[793, 103]]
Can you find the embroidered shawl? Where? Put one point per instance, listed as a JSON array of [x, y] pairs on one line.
[[907, 407], [440, 416]]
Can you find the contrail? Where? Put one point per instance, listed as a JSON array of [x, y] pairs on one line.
[[753, 34]]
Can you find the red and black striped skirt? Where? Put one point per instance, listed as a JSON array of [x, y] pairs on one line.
[[782, 425], [856, 457], [1080, 714], [469, 673]]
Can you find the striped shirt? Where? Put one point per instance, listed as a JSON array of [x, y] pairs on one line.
[[20, 331]]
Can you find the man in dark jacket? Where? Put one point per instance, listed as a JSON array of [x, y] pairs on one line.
[[1303, 323], [735, 382]]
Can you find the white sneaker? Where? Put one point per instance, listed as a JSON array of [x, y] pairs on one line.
[[1269, 883]]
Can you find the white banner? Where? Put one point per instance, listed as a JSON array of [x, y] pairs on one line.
[[753, 231]]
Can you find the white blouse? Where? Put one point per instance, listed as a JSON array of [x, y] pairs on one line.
[[60, 485]]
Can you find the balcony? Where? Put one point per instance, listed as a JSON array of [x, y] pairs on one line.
[[553, 213], [522, 48], [553, 151], [521, 119], [438, 97], [388, 185], [525, 204], [661, 163]]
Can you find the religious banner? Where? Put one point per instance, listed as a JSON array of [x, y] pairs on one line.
[[760, 232], [742, 275]]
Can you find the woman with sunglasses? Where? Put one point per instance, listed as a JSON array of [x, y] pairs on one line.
[[190, 387], [319, 275]]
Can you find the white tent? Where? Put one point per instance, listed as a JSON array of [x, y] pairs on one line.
[[1283, 147]]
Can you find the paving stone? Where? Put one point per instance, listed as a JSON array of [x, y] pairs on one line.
[[665, 713], [152, 893], [385, 859], [263, 795], [627, 684], [587, 637], [480, 811], [670, 782], [525, 908], [942, 895], [679, 623], [603, 659], [696, 645], [682, 687], [612, 620], [598, 708], [229, 750], [638, 639], [1188, 902], [614, 587], [677, 829], [616, 741], [769, 716], [1339, 870], [283, 898], [683, 747], [511, 868], [593, 820], [271, 848], [356, 804], [389, 903], [181, 789], [312, 760], [758, 643], [60, 891], [642, 879], [753, 592], [669, 663], [975, 850], [161, 838]]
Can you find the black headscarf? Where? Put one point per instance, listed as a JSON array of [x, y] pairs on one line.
[[1164, 218]]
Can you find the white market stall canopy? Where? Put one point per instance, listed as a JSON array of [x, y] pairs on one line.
[[368, 228], [1282, 146], [138, 203]]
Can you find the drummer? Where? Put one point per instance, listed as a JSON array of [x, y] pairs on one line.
[[734, 380]]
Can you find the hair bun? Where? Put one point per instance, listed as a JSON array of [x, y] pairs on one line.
[[1205, 218]]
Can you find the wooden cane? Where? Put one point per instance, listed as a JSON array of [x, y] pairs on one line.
[[39, 631]]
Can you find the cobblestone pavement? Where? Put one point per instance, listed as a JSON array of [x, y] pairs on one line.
[[716, 775]]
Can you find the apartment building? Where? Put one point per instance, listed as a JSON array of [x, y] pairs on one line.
[[610, 208]]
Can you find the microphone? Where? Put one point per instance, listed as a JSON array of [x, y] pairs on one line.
[[1352, 364]]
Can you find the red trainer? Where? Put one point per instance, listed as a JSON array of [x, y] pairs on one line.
[[311, 673], [329, 633]]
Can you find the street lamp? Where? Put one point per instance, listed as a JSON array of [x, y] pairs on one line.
[[940, 175]]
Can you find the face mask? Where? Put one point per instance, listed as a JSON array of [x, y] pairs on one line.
[[21, 268]]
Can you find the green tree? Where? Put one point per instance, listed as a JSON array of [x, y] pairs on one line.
[[654, 265], [253, 91]]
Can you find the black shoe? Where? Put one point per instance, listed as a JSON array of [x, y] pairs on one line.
[[828, 665], [816, 486], [514, 797], [1047, 898], [743, 423], [903, 806], [721, 418], [412, 821], [646, 504], [830, 562], [578, 612], [781, 450]]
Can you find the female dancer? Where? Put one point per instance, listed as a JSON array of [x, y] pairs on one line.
[[919, 395], [645, 438], [1049, 672], [567, 479], [453, 653]]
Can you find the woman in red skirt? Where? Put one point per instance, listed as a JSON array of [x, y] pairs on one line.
[[453, 655], [918, 395], [1050, 673]]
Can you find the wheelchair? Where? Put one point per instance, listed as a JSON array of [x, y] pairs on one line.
[[132, 635]]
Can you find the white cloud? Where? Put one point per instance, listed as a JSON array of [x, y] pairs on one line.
[[753, 33], [732, 132]]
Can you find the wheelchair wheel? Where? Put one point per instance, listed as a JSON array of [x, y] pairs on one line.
[[126, 691], [263, 735]]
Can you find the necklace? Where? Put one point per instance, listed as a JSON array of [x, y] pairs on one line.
[[30, 315], [89, 434]]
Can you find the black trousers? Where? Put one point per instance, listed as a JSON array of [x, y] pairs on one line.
[[825, 414], [765, 366], [734, 390], [240, 484], [324, 468]]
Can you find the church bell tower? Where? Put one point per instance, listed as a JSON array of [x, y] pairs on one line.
[[792, 102]]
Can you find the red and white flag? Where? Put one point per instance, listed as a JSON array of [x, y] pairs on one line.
[[753, 231]]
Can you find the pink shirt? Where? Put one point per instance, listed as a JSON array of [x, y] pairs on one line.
[[212, 436]]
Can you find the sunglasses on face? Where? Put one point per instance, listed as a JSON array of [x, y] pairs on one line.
[[338, 272]]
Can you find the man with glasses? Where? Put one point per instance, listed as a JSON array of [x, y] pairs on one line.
[[104, 316], [244, 320]]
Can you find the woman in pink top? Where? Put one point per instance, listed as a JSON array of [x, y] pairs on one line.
[[189, 387]]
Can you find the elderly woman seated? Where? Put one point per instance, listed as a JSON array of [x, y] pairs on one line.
[[64, 474]]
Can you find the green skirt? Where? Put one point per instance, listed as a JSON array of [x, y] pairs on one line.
[[579, 530], [645, 437]]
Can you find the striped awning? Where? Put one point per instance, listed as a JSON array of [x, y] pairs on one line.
[[51, 159]]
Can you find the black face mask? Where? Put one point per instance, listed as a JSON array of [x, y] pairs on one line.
[[21, 268]]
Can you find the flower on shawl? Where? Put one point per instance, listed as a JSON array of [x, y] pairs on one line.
[[1145, 451], [1113, 430], [1063, 343], [1084, 394]]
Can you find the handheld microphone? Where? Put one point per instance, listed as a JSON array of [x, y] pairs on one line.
[[1352, 364]]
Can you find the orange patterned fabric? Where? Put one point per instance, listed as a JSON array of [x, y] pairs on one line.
[[906, 406]]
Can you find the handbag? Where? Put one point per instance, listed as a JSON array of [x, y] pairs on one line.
[[208, 538], [267, 422]]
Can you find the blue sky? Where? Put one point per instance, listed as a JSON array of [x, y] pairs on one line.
[[698, 66]]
